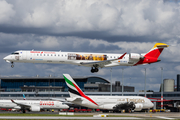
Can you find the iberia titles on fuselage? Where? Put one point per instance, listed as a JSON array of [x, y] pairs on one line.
[[93, 60]]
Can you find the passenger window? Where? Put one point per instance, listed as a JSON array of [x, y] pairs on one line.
[[44, 55], [51, 55], [62, 55], [47, 54]]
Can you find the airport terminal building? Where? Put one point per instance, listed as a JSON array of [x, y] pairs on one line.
[[48, 87]]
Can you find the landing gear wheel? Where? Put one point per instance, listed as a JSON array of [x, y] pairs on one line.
[[12, 64], [94, 69], [24, 111]]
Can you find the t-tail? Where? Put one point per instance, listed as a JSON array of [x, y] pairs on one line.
[[74, 90], [153, 54], [24, 97]]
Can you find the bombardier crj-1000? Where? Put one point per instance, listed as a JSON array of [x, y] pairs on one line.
[[93, 60], [113, 103]]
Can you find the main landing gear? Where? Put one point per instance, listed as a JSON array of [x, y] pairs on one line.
[[12, 65], [94, 69]]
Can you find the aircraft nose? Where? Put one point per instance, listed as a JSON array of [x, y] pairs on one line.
[[6, 58], [152, 105], [66, 106]]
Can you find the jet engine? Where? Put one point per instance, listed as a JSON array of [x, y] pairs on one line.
[[135, 56], [35, 108], [123, 106], [138, 107], [128, 106]]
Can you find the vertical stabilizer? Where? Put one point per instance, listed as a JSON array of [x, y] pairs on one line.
[[74, 90], [24, 97], [156, 50]]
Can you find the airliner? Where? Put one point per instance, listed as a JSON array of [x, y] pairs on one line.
[[93, 60], [32, 105], [112, 103]]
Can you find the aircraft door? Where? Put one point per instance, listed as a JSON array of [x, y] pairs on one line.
[[24, 55]]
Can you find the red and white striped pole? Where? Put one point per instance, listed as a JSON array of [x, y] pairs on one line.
[[161, 88]]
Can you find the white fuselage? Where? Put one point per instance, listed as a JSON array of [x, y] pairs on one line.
[[75, 58], [108, 102], [42, 104]]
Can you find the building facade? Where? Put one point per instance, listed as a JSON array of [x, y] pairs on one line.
[[46, 87]]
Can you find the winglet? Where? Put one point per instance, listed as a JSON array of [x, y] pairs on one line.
[[12, 100], [122, 56]]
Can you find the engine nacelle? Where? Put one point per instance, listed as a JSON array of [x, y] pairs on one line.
[[138, 107], [35, 108], [17, 107], [135, 56]]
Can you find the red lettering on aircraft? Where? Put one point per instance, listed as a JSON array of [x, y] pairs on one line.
[[46, 103], [35, 52]]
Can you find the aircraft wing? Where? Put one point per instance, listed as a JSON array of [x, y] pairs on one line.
[[59, 99], [21, 104], [100, 63], [74, 99]]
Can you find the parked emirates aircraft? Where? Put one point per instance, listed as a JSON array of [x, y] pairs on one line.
[[32, 105], [93, 60], [114, 103]]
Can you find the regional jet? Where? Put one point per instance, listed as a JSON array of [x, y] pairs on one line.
[[93, 60], [32, 105], [113, 103]]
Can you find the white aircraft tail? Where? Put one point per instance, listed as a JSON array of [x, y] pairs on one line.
[[74, 91]]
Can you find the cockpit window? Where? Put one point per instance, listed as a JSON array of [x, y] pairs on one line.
[[15, 53]]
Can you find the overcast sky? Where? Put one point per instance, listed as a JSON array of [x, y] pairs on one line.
[[112, 26]]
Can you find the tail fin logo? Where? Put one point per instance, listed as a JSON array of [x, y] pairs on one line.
[[156, 50], [153, 54], [73, 88]]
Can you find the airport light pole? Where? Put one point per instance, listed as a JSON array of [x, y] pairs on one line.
[[111, 83], [145, 84], [122, 82], [161, 87]]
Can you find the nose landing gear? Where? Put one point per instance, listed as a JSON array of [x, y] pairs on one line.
[[94, 69], [12, 64]]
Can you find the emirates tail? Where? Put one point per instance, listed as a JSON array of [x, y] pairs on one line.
[[74, 90]]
